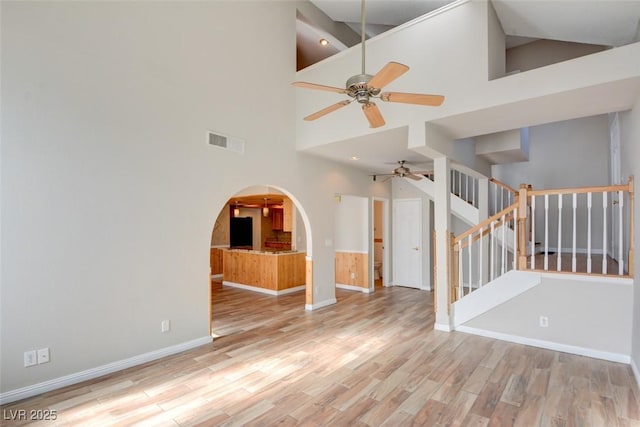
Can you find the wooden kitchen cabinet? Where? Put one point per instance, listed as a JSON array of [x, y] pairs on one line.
[[274, 272], [277, 219], [215, 260], [287, 215]]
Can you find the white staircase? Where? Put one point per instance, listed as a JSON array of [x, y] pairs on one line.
[[459, 207], [494, 261]]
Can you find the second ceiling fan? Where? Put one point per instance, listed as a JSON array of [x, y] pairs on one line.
[[364, 87]]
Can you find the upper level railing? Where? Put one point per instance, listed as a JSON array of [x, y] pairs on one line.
[[575, 230], [585, 230]]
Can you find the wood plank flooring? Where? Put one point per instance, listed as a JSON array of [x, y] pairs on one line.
[[370, 360]]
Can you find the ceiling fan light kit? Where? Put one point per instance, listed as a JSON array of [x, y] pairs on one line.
[[365, 87]]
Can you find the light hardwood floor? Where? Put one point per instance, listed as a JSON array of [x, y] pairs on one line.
[[369, 360]]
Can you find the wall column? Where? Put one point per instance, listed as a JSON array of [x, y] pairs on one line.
[[442, 226]]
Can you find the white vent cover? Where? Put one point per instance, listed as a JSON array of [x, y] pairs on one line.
[[227, 142]]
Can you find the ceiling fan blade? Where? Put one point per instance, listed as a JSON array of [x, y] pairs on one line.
[[373, 115], [325, 111], [307, 85], [387, 74], [413, 176], [413, 98]]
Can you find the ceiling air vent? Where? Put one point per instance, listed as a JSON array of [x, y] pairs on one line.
[[227, 142]]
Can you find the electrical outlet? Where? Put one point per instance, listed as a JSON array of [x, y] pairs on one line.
[[544, 322], [165, 326], [30, 358], [43, 355], [353, 275]]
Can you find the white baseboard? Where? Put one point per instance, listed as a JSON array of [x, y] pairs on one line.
[[442, 327], [216, 276], [549, 345], [311, 307], [263, 290], [636, 371], [67, 380], [353, 288]]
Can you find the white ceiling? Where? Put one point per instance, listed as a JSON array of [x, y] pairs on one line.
[[604, 22]]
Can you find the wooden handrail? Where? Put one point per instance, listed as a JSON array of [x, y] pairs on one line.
[[580, 190], [487, 221], [503, 185], [465, 242], [523, 204]]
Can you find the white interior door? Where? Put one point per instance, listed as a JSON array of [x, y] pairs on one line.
[[407, 243]]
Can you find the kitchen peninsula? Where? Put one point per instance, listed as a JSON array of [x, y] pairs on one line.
[[273, 273]]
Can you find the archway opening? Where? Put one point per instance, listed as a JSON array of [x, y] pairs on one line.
[[261, 242]]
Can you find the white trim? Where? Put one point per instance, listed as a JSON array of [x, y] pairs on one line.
[[263, 290], [75, 378], [353, 288], [311, 307], [636, 371], [442, 327], [216, 276], [549, 345]]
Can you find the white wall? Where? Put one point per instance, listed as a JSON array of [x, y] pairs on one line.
[[630, 153], [452, 65], [109, 189], [599, 318], [572, 153], [351, 224]]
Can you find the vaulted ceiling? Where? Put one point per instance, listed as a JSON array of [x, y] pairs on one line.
[[602, 22], [607, 23]]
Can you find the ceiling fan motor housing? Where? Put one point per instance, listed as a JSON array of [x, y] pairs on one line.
[[357, 88]]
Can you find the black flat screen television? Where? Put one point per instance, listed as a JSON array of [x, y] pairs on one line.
[[241, 233]]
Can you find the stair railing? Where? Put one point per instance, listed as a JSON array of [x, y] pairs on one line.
[[598, 223], [586, 230], [484, 252], [464, 183], [500, 196]]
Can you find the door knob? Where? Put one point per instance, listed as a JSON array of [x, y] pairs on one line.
[[416, 248]]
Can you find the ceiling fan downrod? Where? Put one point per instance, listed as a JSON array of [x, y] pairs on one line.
[[362, 33]]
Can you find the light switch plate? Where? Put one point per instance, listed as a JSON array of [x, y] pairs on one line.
[[30, 358]]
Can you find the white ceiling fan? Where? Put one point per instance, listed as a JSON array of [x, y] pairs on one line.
[[364, 87]]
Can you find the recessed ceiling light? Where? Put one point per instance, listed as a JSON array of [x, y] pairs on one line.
[[324, 42], [355, 158]]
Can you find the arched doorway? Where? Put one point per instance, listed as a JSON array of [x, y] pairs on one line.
[[255, 224]]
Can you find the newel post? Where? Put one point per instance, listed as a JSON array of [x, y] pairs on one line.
[[522, 227]]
